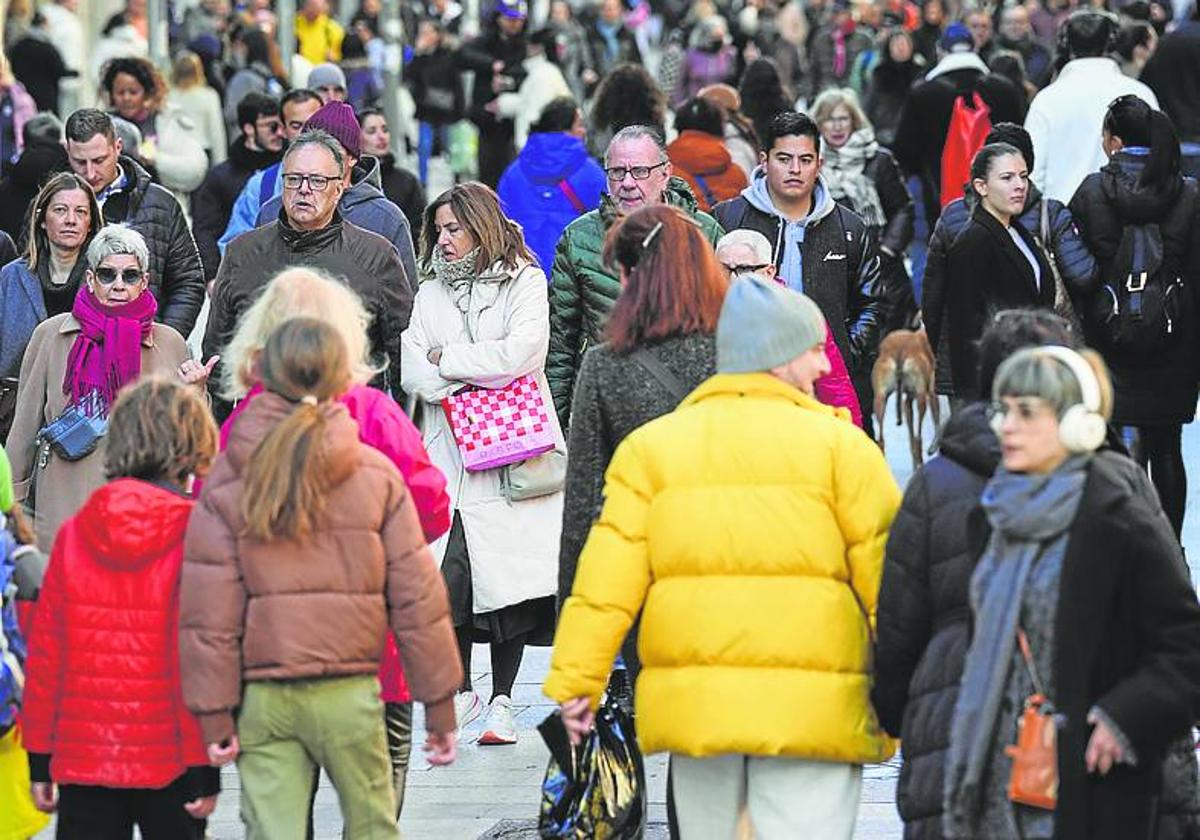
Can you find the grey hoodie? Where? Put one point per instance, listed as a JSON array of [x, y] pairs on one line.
[[791, 234]]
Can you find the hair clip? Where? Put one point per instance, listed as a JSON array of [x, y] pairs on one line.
[[650, 236], [309, 399]]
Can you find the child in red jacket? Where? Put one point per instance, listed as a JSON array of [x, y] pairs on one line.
[[111, 743]]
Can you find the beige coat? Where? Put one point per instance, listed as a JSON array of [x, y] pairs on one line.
[[63, 486], [513, 546]]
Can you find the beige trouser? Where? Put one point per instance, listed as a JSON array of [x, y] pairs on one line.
[[783, 797]]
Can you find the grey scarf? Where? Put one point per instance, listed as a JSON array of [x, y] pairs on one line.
[[845, 176], [1029, 515]]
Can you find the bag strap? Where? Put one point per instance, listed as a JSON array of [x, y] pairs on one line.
[[572, 196], [1027, 655], [708, 193], [660, 372]]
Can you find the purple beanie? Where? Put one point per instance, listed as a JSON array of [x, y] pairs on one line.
[[338, 119]]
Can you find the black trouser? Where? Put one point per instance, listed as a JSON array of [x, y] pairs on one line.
[[496, 152], [1159, 449], [86, 812]]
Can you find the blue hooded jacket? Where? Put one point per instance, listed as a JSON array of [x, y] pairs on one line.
[[531, 196]]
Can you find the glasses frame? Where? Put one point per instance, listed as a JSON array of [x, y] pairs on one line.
[[123, 274], [312, 179], [632, 170], [746, 268]]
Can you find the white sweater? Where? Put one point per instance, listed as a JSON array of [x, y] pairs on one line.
[[1066, 118]]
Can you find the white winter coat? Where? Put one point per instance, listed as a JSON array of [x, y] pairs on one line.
[[513, 547]]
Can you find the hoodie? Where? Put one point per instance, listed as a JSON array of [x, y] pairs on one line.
[[531, 196], [103, 698], [788, 249]]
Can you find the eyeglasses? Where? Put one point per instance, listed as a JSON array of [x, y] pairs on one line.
[[1027, 409], [316, 183], [838, 120], [739, 270], [107, 276], [270, 126], [616, 174]]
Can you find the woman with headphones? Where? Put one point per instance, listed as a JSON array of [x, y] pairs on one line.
[[1086, 630]]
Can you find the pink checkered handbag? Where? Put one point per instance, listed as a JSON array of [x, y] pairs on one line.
[[500, 426]]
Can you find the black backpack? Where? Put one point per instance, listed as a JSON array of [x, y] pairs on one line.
[[1138, 307]]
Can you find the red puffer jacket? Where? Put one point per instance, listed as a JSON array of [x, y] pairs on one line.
[[102, 693]]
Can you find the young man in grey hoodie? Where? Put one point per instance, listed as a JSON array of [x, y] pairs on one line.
[[820, 247]]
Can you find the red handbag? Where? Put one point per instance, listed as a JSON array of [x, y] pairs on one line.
[[1034, 777]]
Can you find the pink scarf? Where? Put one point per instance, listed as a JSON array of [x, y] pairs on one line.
[[108, 352]]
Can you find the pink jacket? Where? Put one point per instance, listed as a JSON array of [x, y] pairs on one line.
[[382, 425], [836, 388]]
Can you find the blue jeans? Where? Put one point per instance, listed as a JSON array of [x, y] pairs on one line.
[[425, 136]]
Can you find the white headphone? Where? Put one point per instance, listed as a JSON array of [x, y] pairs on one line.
[[1082, 428]]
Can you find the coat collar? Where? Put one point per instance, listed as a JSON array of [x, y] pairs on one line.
[[992, 225], [761, 385]]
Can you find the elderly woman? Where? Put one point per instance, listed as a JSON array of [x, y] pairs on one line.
[[382, 425], [1084, 620], [80, 360], [864, 177], [43, 282], [481, 319]]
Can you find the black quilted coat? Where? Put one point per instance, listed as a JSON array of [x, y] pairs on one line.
[[924, 616], [176, 274]]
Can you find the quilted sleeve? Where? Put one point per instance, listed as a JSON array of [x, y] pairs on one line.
[[212, 618], [566, 328], [419, 613], [44, 667]]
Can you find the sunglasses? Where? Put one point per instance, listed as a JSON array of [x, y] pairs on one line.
[[108, 276]]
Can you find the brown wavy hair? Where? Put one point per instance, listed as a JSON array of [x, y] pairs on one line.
[[287, 478], [674, 284], [477, 208], [160, 430]]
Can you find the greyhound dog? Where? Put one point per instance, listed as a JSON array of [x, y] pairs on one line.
[[905, 367]]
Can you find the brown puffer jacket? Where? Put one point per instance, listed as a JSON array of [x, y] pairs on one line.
[[316, 607]]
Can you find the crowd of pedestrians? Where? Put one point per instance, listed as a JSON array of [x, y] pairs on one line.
[[255, 500]]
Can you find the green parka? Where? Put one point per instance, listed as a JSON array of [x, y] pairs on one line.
[[583, 290]]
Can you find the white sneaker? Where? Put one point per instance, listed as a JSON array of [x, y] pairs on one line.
[[500, 727], [467, 708]]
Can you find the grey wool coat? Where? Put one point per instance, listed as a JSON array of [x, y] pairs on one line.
[[613, 396]]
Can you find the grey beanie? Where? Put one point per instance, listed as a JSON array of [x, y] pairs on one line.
[[326, 74], [764, 325]]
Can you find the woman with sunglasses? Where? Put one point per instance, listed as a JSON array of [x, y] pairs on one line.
[[80, 359], [1142, 196]]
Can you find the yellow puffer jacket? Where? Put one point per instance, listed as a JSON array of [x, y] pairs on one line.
[[751, 523]]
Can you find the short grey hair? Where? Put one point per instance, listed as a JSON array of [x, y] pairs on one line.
[[638, 132], [1033, 372], [325, 140], [112, 240], [752, 239]]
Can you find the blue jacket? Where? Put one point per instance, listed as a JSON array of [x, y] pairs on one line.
[[245, 210], [530, 194], [365, 206], [22, 308], [1075, 263]]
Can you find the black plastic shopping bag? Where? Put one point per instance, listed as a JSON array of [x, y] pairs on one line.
[[597, 789]]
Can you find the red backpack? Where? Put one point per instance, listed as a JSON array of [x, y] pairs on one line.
[[969, 126]]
